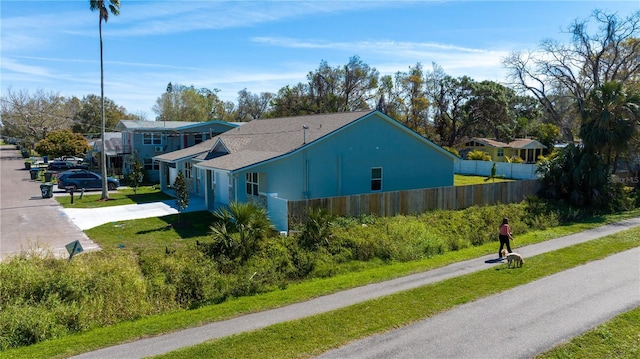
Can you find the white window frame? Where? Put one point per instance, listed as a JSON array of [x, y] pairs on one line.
[[188, 169], [153, 139], [376, 181], [252, 180]]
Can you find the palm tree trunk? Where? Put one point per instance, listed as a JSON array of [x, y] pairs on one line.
[[103, 161]]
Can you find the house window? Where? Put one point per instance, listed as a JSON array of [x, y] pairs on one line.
[[151, 165], [188, 167], [252, 183], [500, 152], [152, 139], [197, 138], [376, 179]]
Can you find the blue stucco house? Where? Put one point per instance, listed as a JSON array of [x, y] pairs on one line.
[[147, 139], [304, 157]]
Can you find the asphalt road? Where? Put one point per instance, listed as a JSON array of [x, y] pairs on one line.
[[546, 312], [518, 323], [28, 221]]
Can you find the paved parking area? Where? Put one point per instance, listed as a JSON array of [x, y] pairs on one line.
[[28, 221]]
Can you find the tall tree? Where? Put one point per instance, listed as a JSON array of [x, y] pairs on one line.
[[104, 8], [411, 99], [490, 111], [187, 103], [30, 117], [559, 75], [351, 87], [358, 85], [88, 117], [448, 98], [610, 119], [291, 101], [252, 106]]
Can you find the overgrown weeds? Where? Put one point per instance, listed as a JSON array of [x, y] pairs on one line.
[[149, 268]]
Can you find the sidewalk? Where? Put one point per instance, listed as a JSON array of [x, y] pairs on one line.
[[88, 218], [169, 342]]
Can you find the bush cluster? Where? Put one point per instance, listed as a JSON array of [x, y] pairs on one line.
[[43, 298]]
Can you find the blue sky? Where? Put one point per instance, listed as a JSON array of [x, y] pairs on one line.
[[263, 45]]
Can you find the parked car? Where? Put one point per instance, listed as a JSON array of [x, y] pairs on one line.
[[74, 159], [61, 166], [75, 179]]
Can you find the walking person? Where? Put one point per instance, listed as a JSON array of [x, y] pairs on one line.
[[505, 236]]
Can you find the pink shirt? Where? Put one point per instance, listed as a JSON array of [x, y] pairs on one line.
[[505, 229]]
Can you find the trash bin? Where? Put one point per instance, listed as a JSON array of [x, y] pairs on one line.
[[25, 154], [27, 165], [34, 173], [47, 190], [47, 176]]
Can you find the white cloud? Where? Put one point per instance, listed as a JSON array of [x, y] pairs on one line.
[[160, 18]]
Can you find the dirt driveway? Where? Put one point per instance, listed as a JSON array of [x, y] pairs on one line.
[[28, 221]]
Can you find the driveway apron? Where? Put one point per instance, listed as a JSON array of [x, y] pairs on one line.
[[28, 221]]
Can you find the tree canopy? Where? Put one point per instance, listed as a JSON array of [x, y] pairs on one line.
[[62, 143]]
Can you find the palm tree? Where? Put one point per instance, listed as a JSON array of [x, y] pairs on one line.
[[610, 119], [239, 229], [104, 7]]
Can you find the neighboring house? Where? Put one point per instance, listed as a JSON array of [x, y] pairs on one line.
[[314, 156], [114, 152], [146, 139], [527, 149]]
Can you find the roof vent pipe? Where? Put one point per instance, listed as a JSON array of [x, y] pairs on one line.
[[304, 134]]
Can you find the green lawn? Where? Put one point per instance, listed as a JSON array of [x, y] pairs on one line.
[[124, 196], [464, 180], [155, 233], [617, 338]]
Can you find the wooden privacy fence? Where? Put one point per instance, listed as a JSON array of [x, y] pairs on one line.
[[417, 201]]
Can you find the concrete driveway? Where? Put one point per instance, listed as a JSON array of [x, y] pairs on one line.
[[28, 221]]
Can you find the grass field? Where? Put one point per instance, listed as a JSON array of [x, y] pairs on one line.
[[124, 196]]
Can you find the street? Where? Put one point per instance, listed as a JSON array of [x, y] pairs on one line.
[[28, 221]]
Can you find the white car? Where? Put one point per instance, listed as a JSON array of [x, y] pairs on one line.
[[73, 159]]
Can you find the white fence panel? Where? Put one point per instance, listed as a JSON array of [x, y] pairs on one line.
[[519, 171]]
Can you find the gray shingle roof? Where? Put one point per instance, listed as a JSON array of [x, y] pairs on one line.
[[261, 140], [134, 125], [192, 151]]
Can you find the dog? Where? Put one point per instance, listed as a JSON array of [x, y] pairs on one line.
[[512, 257]]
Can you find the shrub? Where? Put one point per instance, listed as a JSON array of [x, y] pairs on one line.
[[478, 155], [317, 229], [238, 231]]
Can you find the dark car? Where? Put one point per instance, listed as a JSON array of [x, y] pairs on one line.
[[60, 166], [76, 179]]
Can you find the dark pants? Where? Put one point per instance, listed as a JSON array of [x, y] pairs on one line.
[[504, 240]]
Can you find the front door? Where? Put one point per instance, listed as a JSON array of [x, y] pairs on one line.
[[222, 187]]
